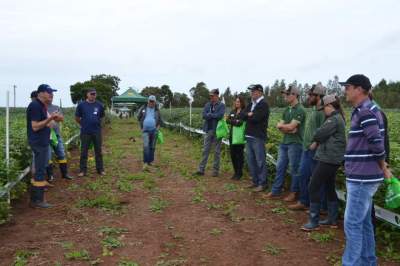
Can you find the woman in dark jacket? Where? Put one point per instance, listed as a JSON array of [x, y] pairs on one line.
[[236, 149], [330, 139]]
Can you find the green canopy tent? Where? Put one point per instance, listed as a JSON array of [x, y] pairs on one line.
[[130, 98]]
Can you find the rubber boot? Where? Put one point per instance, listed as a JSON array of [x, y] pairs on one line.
[[37, 198], [313, 223], [333, 211], [64, 171], [49, 172]]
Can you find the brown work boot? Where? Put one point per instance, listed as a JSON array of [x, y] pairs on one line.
[[298, 206], [291, 197], [271, 196]]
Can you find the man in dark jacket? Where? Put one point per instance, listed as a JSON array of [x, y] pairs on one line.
[[256, 115], [213, 111], [150, 122]]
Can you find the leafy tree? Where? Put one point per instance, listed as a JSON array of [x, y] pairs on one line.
[[105, 85], [228, 97], [200, 94], [180, 100]]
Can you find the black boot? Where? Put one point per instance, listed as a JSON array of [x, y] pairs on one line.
[[64, 171], [37, 198], [333, 211], [313, 223]]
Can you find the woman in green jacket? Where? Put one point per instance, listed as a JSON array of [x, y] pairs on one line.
[[330, 141]]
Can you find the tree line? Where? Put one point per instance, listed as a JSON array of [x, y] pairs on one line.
[[387, 94]]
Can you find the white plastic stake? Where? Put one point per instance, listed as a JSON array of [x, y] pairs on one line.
[[8, 138]]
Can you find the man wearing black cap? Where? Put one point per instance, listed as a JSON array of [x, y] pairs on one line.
[[256, 115], [365, 169], [88, 115], [39, 138], [213, 111]]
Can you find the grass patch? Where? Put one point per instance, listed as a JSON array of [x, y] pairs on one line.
[[273, 249], [124, 185], [111, 242], [214, 206], [136, 177], [67, 245], [22, 257], [280, 210], [112, 231], [103, 201], [215, 232], [158, 205], [149, 183], [322, 237], [229, 210], [229, 187], [127, 263], [77, 255]]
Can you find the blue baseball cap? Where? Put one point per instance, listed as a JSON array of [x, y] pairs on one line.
[[152, 98], [45, 88]]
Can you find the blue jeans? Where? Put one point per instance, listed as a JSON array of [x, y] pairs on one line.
[[360, 240], [149, 146], [289, 154], [307, 165], [256, 159], [59, 150]]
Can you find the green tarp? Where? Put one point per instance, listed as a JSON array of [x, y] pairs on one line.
[[130, 96]]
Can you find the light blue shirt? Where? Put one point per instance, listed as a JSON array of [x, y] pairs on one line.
[[149, 122]]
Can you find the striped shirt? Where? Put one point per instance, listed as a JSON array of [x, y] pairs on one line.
[[365, 146]]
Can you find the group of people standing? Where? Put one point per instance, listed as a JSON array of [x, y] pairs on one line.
[[314, 146], [44, 138]]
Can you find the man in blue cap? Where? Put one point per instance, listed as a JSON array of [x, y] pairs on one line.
[[38, 132], [150, 121], [88, 115]]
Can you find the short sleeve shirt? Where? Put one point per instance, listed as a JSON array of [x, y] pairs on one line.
[[90, 115], [298, 114], [37, 112]]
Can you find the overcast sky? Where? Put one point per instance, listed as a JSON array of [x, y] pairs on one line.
[[181, 42]]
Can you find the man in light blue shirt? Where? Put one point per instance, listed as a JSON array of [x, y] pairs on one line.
[[150, 121]]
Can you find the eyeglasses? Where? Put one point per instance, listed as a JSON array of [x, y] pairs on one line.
[[92, 93]]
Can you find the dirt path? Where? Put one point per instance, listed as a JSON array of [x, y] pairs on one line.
[[164, 217]]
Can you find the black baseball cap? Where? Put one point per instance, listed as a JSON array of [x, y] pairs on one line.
[[358, 80], [214, 92], [45, 88], [256, 87]]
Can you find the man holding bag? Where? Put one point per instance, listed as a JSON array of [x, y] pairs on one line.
[[213, 111], [236, 136], [256, 116]]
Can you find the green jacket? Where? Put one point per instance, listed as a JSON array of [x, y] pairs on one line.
[[331, 137]]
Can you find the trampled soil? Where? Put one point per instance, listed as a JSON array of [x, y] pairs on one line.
[[206, 221]]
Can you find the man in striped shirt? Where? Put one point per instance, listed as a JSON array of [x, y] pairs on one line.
[[365, 169]]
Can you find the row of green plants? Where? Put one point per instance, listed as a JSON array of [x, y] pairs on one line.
[[20, 153]]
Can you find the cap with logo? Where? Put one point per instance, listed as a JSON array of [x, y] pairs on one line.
[[358, 80], [152, 98], [256, 87], [292, 89], [45, 88]]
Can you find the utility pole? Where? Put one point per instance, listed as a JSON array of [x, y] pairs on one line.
[[15, 87]]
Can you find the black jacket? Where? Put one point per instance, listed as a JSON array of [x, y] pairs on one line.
[[235, 120], [257, 124]]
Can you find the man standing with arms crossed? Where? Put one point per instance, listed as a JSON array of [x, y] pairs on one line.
[[292, 127], [256, 115], [88, 115], [38, 132], [213, 111], [365, 169], [307, 163]]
